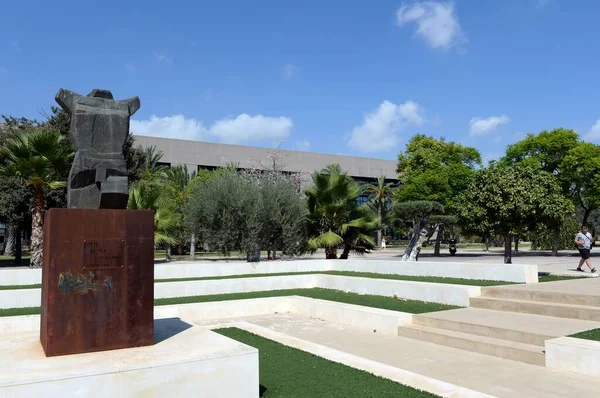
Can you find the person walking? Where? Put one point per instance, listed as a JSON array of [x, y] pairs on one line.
[[584, 241], [383, 246]]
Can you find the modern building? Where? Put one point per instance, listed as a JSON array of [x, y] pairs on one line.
[[198, 155]]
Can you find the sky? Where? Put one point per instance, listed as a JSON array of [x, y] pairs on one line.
[[344, 77]]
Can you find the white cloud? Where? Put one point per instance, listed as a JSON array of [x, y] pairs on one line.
[[483, 126], [176, 126], [289, 71], [594, 134], [437, 23], [163, 58], [380, 128], [303, 145], [243, 128], [246, 128]]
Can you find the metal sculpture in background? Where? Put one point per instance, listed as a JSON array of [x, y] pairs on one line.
[[99, 128]]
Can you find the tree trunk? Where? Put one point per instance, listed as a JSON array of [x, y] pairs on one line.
[[346, 252], [37, 229], [18, 247], [379, 231], [9, 241], [517, 245], [586, 215], [415, 243], [438, 240], [507, 249], [169, 253], [254, 256], [555, 242], [193, 247], [330, 253]]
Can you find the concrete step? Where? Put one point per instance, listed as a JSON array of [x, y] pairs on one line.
[[512, 326], [528, 353], [538, 308], [546, 296]]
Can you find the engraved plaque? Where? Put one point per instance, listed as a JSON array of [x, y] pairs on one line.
[[103, 254]]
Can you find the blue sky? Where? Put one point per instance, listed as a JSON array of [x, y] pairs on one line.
[[349, 77]]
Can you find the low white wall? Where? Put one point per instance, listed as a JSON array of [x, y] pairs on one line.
[[224, 309], [522, 273], [573, 355], [374, 319], [235, 285], [202, 269], [424, 291], [20, 298], [20, 276]]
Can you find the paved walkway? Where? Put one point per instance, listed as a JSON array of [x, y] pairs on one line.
[[488, 374]]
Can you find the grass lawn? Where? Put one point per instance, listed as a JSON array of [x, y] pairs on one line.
[[593, 334], [554, 278], [291, 373], [388, 303]]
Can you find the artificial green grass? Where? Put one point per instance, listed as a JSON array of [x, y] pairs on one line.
[[20, 287], [287, 372], [388, 303], [555, 278], [19, 311], [593, 334]]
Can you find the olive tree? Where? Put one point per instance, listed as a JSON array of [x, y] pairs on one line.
[[247, 212]]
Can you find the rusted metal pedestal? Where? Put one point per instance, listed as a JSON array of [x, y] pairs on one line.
[[97, 280]]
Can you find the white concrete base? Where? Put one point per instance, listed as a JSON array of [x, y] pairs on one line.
[[522, 273], [574, 355], [423, 291], [192, 362], [372, 319]]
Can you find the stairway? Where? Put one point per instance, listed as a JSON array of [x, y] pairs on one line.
[[554, 304], [507, 322]]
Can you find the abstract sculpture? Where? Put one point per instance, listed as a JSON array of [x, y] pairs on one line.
[[99, 128]]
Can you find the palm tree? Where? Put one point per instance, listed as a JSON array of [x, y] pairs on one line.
[[380, 195], [334, 217], [39, 159], [150, 168], [147, 196]]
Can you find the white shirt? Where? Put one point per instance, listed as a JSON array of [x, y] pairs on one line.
[[586, 239]]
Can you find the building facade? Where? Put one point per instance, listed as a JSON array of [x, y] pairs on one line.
[[196, 155]]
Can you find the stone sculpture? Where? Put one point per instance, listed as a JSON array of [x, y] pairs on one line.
[[99, 128]]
